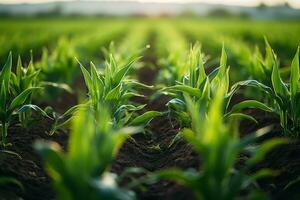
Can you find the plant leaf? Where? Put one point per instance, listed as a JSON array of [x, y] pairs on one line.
[[6, 71], [36, 108], [122, 72], [20, 99], [241, 116], [250, 104], [114, 93], [278, 85], [187, 89], [145, 118], [62, 86], [295, 74]]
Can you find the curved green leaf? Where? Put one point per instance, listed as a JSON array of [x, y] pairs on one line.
[[122, 72], [278, 85], [295, 74], [62, 86], [251, 104], [241, 116], [114, 93], [36, 108], [20, 99], [187, 89], [6, 71], [145, 118]]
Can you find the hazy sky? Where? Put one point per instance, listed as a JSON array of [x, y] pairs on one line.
[[295, 3]]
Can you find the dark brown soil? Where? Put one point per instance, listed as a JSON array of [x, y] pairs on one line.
[[152, 152], [28, 170], [60, 105], [264, 119], [284, 160], [67, 100]]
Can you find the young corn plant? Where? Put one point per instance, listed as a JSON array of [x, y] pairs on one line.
[[282, 98], [252, 64], [260, 66], [58, 70], [113, 89], [202, 88], [15, 96], [196, 83], [21, 80], [219, 145], [83, 171]]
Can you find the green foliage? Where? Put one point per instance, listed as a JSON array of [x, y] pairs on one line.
[[15, 95], [259, 67], [83, 171], [87, 35], [283, 99], [23, 79], [58, 70], [219, 145], [113, 89], [196, 84], [202, 88], [146, 117], [250, 63]]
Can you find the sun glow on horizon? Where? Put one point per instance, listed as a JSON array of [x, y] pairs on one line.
[[294, 3]]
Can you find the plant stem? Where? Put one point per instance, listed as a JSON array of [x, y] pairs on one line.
[[4, 133], [285, 122]]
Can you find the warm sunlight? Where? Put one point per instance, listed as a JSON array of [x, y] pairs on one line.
[[294, 3]]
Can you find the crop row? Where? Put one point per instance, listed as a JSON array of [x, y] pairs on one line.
[[202, 91]]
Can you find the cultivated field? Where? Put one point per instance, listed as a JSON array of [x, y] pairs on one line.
[[158, 108]]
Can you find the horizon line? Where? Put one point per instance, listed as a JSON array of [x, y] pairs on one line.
[[151, 1]]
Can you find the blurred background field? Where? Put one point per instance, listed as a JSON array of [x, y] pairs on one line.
[[91, 25], [89, 34]]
